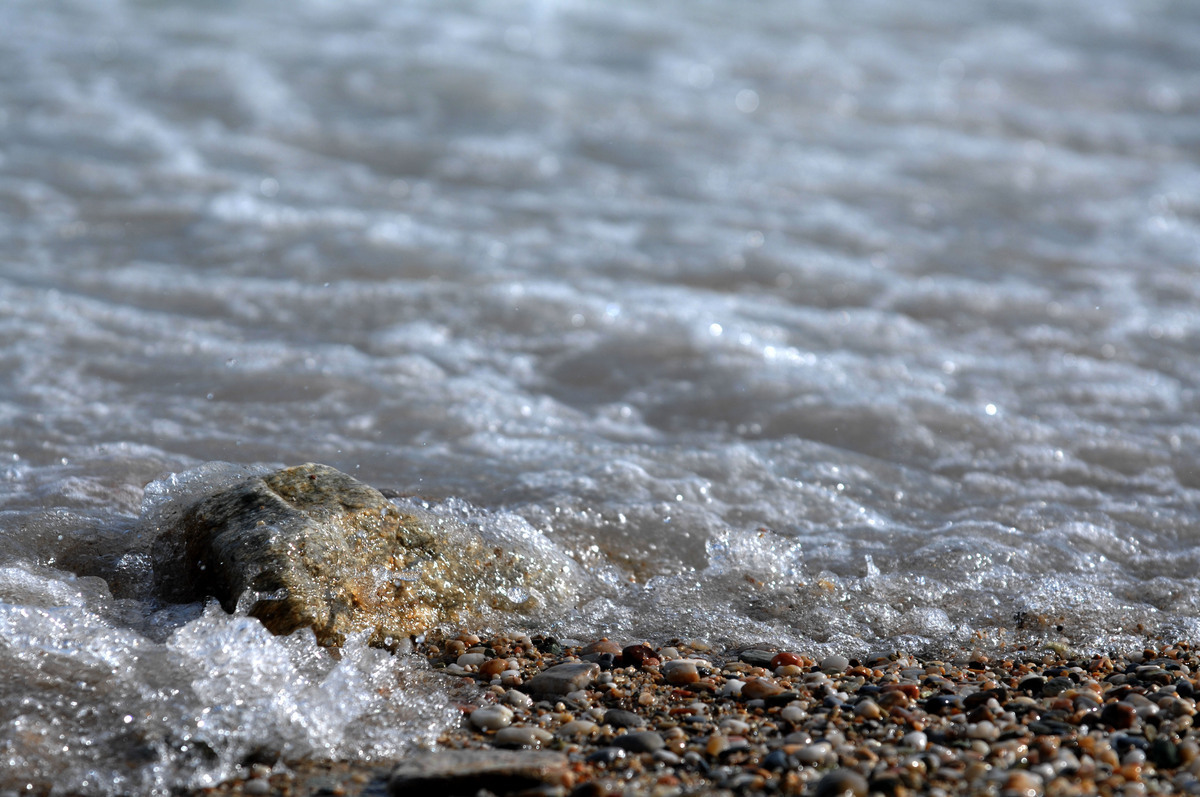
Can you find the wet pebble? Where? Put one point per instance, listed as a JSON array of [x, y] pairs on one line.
[[521, 736], [834, 664], [491, 718], [619, 718], [562, 679], [640, 741], [842, 783]]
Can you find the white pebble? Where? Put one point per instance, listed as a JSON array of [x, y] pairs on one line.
[[732, 726], [983, 730], [491, 718], [793, 714], [916, 740], [733, 687], [835, 663], [814, 753], [471, 660], [519, 699]]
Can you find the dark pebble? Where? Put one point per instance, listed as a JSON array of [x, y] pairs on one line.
[[638, 656], [979, 698], [842, 783], [619, 718], [1164, 753], [1056, 686], [757, 658], [781, 699], [776, 760], [640, 741], [606, 755], [943, 704], [1033, 684]]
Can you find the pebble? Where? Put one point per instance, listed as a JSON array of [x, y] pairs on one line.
[[562, 679], [1003, 726], [459, 771], [521, 736], [842, 783], [835, 663], [640, 741], [577, 728], [471, 659], [680, 671], [757, 688], [256, 786], [519, 699], [492, 718], [814, 753], [619, 718]]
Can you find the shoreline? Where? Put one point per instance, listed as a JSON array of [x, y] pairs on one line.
[[619, 718]]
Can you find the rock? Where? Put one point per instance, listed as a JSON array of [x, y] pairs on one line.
[[310, 546], [562, 679], [466, 772]]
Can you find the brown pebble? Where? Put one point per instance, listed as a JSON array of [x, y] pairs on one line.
[[782, 659], [757, 688], [1118, 715], [680, 671], [638, 656], [604, 645], [493, 667]]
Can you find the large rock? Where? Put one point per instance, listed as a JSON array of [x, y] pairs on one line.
[[310, 546]]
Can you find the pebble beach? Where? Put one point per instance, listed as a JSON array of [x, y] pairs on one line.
[[563, 717]]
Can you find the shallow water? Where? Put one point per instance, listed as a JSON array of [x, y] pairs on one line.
[[841, 326]]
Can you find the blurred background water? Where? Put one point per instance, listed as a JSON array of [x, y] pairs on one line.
[[836, 325]]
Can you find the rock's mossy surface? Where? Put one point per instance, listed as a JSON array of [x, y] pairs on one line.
[[310, 546]]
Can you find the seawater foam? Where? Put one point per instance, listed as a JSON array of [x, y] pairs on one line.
[[89, 705], [107, 695]]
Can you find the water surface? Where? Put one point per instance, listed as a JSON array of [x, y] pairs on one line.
[[839, 326]]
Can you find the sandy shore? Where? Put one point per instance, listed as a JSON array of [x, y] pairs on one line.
[[543, 716]]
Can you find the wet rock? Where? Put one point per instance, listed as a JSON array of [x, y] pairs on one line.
[[466, 772], [310, 546]]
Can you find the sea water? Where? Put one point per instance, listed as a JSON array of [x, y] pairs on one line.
[[837, 326]]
